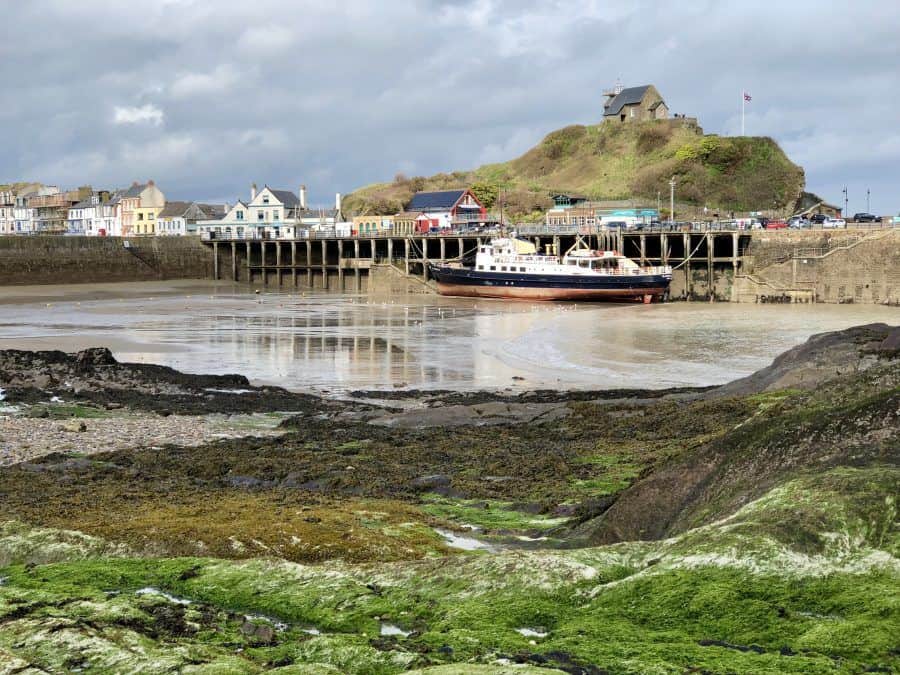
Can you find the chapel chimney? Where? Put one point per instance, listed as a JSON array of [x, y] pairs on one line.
[[252, 191], [302, 196]]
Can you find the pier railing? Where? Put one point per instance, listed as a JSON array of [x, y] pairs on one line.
[[522, 229]]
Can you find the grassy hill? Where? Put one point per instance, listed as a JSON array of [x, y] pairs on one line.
[[617, 162]]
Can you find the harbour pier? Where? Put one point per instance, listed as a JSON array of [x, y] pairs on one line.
[[705, 263]]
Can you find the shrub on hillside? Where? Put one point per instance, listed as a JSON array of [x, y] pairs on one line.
[[486, 193], [562, 142], [653, 137]]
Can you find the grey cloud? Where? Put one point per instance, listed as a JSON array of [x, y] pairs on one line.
[[339, 96]]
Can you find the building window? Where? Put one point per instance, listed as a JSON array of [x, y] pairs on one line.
[[140, 216], [493, 268], [274, 215], [239, 215], [632, 112], [265, 200], [260, 215]]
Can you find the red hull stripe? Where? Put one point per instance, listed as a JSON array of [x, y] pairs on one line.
[[524, 293]]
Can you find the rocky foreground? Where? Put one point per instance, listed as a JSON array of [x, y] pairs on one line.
[[153, 521]]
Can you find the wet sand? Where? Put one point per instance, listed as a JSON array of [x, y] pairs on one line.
[[334, 343]]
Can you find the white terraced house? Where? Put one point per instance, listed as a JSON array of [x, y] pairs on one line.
[[179, 219], [85, 217], [7, 212], [271, 214]]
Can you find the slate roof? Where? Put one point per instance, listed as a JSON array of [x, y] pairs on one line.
[[84, 204], [318, 213], [214, 211], [286, 197], [134, 191], [174, 209], [116, 197], [435, 201], [629, 96]]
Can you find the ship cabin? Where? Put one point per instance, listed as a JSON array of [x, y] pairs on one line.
[[513, 255], [609, 262], [521, 257]]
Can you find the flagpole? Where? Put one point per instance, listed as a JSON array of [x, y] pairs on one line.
[[743, 105]]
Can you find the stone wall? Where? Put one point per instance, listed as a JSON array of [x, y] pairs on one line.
[[389, 280], [843, 266], [70, 260]]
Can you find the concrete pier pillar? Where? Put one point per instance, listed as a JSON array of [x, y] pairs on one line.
[[443, 249], [249, 269], [424, 258], [390, 251], [643, 249], [710, 248], [734, 264], [324, 264], [234, 265], [216, 260], [278, 263], [262, 262], [294, 264], [406, 255], [664, 248], [340, 264], [686, 238]]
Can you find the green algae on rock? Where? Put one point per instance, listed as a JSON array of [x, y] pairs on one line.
[[751, 533]]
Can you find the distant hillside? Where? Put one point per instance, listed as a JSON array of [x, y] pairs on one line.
[[618, 161]]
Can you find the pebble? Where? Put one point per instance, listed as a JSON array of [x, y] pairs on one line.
[[26, 438]]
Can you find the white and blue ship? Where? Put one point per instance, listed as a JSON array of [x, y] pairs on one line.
[[513, 268]]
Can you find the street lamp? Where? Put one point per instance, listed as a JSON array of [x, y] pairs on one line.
[[868, 192], [672, 200], [846, 211]]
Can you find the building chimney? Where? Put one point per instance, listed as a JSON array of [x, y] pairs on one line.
[[337, 202], [252, 191], [302, 195]]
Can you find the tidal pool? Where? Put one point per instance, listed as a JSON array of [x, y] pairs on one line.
[[335, 343]]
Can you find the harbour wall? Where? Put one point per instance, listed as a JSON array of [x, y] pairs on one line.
[[839, 266], [72, 260]]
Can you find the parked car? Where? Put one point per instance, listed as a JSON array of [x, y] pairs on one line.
[[617, 224], [818, 219], [866, 218], [835, 223], [776, 225]]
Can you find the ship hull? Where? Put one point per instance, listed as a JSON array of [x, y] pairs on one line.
[[612, 288]]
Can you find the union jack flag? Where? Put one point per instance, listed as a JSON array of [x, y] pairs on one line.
[[747, 97]]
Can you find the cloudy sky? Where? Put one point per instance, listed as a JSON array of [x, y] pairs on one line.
[[206, 97]]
